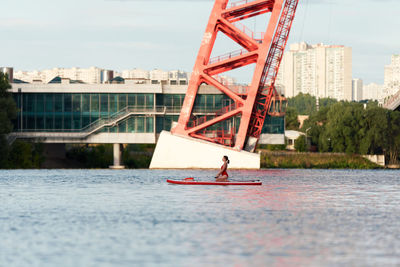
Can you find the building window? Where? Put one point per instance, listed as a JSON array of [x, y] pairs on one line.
[[104, 105], [122, 127], [141, 101], [39, 103], [150, 101], [67, 102], [140, 124], [122, 101], [49, 102], [113, 103], [149, 124], [274, 125]]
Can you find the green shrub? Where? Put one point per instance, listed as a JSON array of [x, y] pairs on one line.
[[24, 155], [314, 161], [301, 144], [92, 157], [101, 156]]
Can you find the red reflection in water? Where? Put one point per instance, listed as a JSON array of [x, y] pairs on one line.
[[269, 198], [271, 195]]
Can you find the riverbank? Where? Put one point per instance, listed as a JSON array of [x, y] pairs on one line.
[[294, 160], [139, 156], [27, 156]]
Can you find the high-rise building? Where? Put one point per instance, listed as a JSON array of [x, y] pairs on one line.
[[95, 75], [357, 90], [28, 76], [92, 75], [178, 77], [392, 76], [372, 91], [319, 70], [136, 74], [157, 76]]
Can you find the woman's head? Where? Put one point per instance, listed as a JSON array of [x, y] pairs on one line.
[[225, 159]]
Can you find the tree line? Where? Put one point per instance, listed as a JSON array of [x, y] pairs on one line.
[[346, 127]]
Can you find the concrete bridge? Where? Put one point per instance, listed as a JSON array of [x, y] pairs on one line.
[[394, 102]]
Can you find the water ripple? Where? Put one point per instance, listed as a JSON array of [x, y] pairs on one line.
[[134, 218]]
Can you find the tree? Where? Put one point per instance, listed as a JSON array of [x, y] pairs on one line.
[[315, 127], [20, 156], [100, 156], [304, 104], [8, 112], [343, 127], [24, 155], [393, 142], [291, 120], [301, 144], [355, 128], [326, 102], [374, 132]]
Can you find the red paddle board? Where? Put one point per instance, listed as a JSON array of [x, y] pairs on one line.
[[193, 182]]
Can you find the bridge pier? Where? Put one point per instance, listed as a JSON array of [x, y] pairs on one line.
[[117, 157], [177, 152]]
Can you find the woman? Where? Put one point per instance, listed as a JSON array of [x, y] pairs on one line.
[[223, 176]]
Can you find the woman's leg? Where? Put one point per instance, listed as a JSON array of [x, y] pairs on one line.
[[223, 178]]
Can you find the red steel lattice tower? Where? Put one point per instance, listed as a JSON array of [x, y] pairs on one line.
[[263, 50]]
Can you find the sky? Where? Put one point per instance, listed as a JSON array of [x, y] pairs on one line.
[[166, 34]]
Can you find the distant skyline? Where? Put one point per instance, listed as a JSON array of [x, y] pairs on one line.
[[127, 34]]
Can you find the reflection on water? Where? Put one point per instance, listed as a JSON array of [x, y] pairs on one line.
[[125, 218]]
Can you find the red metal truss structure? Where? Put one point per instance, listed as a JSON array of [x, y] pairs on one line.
[[265, 50]]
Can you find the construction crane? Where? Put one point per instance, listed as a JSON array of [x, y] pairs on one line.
[[265, 50]]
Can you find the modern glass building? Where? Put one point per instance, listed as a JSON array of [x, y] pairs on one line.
[[46, 109]]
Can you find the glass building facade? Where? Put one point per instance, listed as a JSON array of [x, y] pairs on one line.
[[203, 103], [274, 125], [64, 112], [73, 112]]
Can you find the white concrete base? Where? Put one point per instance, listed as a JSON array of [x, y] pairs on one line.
[[117, 158], [117, 167], [176, 152], [377, 159]]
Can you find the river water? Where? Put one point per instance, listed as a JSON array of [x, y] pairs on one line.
[[134, 218]]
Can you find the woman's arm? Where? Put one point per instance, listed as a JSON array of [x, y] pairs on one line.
[[225, 166]]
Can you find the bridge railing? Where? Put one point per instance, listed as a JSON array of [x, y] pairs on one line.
[[115, 117], [105, 121], [239, 3], [227, 56], [257, 36], [392, 101], [200, 120]]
